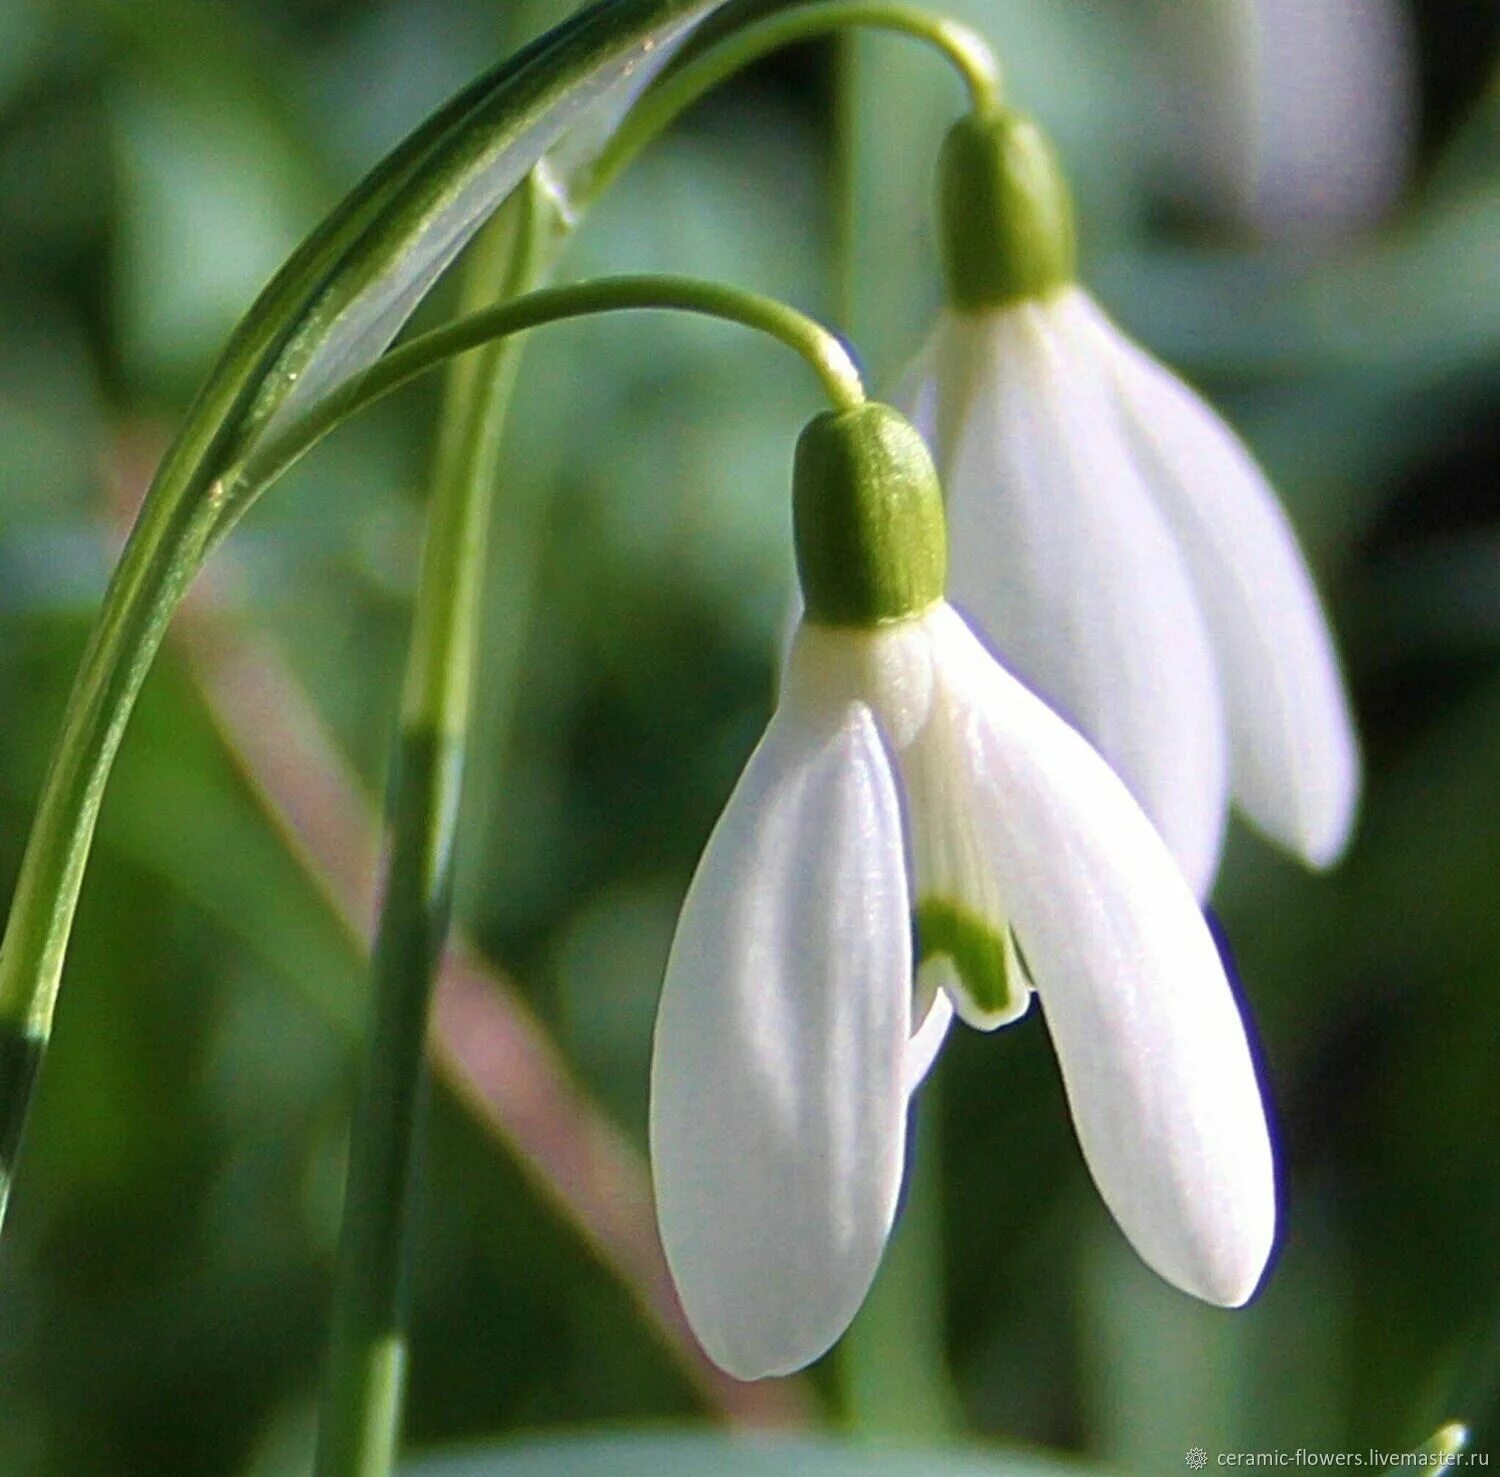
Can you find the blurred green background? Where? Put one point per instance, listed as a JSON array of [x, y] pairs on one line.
[[165, 1272]]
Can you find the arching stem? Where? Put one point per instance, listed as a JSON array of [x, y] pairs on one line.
[[968, 52], [823, 351]]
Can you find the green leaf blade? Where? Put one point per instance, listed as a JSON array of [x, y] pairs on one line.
[[331, 310]]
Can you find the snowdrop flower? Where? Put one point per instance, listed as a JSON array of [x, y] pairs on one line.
[[1113, 537], [906, 778]]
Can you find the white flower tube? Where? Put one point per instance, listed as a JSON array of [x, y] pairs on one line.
[[1153, 1052]]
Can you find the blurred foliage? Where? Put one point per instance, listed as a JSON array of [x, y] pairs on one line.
[[163, 1280], [682, 1455]]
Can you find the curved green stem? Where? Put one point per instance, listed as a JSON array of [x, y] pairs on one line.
[[968, 52], [363, 1393], [146, 587], [823, 350], [183, 522], [339, 291]]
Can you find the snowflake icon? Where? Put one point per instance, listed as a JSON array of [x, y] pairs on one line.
[[1197, 1458]]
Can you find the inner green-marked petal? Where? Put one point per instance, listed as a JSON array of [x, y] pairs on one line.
[[976, 950]]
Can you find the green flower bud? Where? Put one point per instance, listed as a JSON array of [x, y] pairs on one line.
[[1005, 213], [872, 545]]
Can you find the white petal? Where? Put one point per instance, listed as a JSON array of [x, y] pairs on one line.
[[966, 949], [1152, 1048], [1294, 762], [778, 1090], [927, 1040], [1063, 560], [963, 932], [890, 669]]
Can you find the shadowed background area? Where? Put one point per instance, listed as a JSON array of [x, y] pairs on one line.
[[1305, 223]]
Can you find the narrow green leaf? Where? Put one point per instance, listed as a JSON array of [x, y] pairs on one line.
[[566, 90], [330, 311]]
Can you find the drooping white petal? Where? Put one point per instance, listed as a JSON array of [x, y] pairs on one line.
[[778, 1089], [892, 667], [1152, 1048], [1294, 760], [1060, 555]]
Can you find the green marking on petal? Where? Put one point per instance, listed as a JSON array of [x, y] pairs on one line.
[[978, 954]]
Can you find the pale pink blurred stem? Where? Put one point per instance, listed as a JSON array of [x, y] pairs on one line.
[[484, 1040]]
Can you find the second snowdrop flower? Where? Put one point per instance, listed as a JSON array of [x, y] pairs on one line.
[[907, 778], [1113, 537]]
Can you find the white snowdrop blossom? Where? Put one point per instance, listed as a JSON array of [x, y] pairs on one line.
[[907, 779], [1117, 543]]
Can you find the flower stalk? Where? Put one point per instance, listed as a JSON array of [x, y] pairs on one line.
[[823, 351], [968, 52], [361, 1418], [146, 587]]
